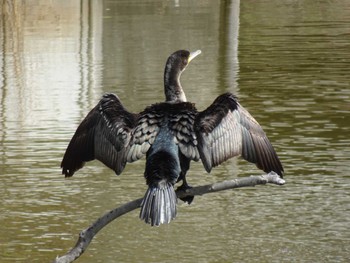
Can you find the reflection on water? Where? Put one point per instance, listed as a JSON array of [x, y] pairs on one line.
[[286, 60]]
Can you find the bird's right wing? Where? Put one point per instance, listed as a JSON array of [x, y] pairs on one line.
[[225, 129], [104, 135]]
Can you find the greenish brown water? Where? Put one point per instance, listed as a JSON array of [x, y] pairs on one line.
[[287, 61]]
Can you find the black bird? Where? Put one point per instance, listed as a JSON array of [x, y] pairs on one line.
[[170, 134]]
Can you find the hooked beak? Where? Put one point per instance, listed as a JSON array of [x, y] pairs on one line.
[[193, 55]]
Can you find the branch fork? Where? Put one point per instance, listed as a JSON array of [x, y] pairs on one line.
[[86, 235]]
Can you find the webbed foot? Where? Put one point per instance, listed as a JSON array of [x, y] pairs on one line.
[[187, 199]]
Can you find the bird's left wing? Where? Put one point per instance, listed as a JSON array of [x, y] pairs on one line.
[[225, 129], [104, 135]]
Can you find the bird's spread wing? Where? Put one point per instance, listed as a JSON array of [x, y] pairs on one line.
[[225, 129], [104, 134]]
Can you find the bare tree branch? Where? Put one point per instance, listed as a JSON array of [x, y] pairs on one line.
[[88, 234]]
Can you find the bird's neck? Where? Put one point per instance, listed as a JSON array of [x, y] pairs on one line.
[[174, 93], [172, 86]]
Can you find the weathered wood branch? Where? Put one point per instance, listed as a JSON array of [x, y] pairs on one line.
[[88, 234]]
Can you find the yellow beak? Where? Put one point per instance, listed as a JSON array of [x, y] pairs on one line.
[[193, 55]]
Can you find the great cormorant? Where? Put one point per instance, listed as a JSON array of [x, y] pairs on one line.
[[170, 134]]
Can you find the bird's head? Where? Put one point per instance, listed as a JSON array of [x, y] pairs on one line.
[[175, 65], [181, 58]]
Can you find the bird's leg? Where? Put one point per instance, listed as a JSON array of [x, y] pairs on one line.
[[187, 199]]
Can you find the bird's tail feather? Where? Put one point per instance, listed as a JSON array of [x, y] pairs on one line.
[[159, 204]]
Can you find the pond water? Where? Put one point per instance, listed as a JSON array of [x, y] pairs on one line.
[[287, 61]]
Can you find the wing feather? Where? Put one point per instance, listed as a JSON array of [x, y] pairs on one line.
[[225, 129], [103, 135], [144, 134], [181, 123]]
